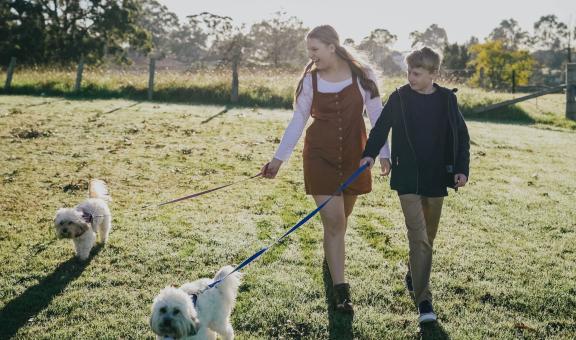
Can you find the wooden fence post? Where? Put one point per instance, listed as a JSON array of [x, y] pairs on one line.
[[9, 73], [151, 77], [79, 71], [571, 91], [513, 81], [569, 49], [234, 92]]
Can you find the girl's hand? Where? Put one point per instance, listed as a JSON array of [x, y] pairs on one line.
[[370, 161], [270, 169]]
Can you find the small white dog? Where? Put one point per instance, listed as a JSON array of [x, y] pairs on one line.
[[195, 311], [82, 222]]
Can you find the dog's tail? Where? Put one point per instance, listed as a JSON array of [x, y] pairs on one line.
[[230, 285], [98, 189]]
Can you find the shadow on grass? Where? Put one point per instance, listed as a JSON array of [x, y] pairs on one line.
[[122, 107], [433, 331], [216, 115], [17, 312], [218, 93], [339, 323], [509, 114], [46, 102]]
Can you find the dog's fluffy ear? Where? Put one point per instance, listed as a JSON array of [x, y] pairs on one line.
[[84, 227]]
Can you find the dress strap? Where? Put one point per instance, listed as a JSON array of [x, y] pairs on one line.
[[314, 81], [314, 105]]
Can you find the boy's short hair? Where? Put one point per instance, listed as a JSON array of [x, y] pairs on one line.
[[425, 58]]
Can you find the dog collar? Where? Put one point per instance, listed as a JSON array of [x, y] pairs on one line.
[[86, 216]]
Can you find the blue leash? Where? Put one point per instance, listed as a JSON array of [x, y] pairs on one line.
[[296, 226]]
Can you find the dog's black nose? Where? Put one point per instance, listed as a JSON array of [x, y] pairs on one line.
[[167, 322]]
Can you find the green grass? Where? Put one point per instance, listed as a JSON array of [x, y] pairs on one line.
[[271, 88], [504, 261]]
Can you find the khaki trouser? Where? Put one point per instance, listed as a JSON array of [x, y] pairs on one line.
[[422, 215]]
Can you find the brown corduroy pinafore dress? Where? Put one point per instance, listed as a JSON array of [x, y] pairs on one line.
[[335, 141]]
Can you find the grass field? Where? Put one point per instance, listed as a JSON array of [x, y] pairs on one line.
[[504, 261]]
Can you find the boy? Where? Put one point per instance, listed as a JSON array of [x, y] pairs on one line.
[[430, 151]]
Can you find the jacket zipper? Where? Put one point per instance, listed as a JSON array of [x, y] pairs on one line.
[[409, 142], [454, 111], [454, 131]]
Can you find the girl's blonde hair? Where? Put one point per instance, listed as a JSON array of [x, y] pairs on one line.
[[327, 35]]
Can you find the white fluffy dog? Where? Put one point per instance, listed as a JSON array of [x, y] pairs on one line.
[[195, 312], [82, 222]]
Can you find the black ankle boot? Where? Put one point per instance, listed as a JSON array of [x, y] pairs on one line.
[[342, 296]]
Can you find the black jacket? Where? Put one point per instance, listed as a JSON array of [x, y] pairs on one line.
[[405, 171]]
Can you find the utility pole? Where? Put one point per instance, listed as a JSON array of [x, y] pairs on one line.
[[569, 47]]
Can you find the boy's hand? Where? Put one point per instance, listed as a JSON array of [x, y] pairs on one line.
[[270, 169], [368, 160], [385, 166], [460, 180]]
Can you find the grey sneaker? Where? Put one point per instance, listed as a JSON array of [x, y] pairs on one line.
[[426, 312]]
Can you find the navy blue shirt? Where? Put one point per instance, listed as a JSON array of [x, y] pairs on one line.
[[428, 120]]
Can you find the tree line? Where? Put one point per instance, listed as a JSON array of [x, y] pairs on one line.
[[60, 32]]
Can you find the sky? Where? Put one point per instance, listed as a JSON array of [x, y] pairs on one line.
[[356, 19]]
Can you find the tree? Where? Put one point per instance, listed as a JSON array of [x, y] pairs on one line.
[[378, 47], [228, 42], [377, 44], [551, 42], [455, 57], [349, 42], [550, 34], [112, 28], [494, 65], [22, 30], [455, 62], [188, 43], [279, 41], [59, 31], [159, 22], [511, 35], [434, 37]]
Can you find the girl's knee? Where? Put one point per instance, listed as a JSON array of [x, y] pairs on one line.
[[335, 229]]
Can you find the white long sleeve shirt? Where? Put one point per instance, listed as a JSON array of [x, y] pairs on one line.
[[296, 126]]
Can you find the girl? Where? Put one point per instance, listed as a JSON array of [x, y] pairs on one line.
[[334, 89]]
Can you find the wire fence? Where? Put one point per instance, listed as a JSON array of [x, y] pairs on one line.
[[143, 76]]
